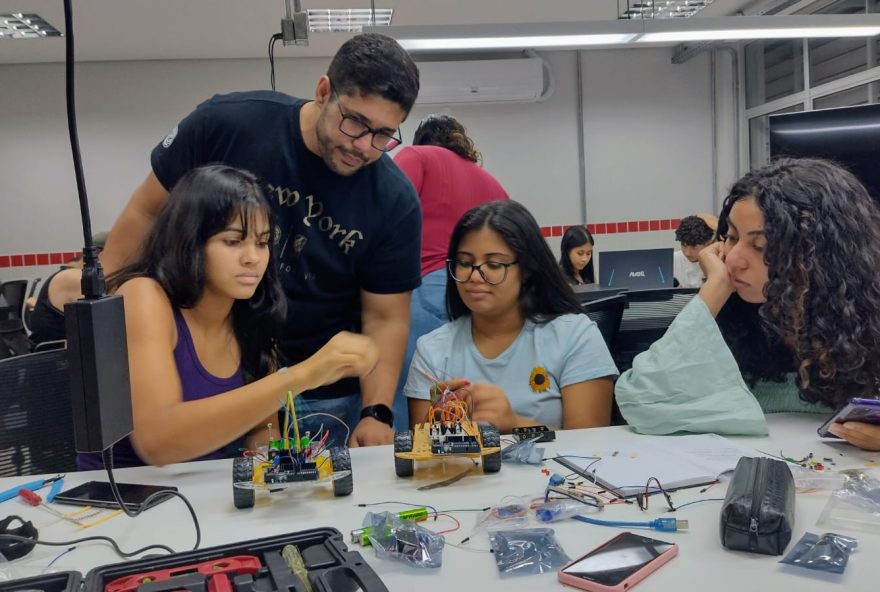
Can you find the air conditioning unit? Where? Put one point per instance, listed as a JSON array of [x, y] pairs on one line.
[[518, 80]]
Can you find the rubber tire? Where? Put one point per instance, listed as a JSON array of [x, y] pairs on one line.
[[243, 470], [403, 442], [491, 439], [341, 459]]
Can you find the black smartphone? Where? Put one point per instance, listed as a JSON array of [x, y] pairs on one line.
[[864, 410], [99, 494]]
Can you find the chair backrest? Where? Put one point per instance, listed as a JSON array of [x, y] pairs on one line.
[[607, 314], [12, 297], [36, 417], [646, 318]]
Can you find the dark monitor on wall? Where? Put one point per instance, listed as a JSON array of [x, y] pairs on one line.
[[850, 136]]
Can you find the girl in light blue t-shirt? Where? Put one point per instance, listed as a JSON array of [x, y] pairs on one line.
[[517, 335]]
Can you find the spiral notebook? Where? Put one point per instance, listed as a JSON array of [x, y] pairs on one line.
[[677, 462]]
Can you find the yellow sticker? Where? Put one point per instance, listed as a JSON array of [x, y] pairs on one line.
[[539, 380]]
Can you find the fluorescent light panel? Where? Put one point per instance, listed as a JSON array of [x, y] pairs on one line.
[[515, 42], [346, 20], [19, 25], [761, 27], [628, 31]]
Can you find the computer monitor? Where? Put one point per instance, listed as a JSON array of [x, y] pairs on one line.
[[849, 136], [644, 269]]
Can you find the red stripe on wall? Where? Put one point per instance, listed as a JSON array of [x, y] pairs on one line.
[[618, 227], [31, 259], [59, 257]]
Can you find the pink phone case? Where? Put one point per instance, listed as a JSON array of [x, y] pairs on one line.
[[626, 584]]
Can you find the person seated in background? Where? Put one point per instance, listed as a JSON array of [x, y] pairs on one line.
[[202, 307], [695, 233], [576, 258], [46, 321], [446, 170], [518, 337], [790, 307]]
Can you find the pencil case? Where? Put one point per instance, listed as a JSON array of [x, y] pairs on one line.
[[758, 511]]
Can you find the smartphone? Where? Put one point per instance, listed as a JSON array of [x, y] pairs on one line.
[[864, 410], [99, 494], [618, 564]]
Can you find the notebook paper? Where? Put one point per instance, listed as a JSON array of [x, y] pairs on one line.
[[676, 461]]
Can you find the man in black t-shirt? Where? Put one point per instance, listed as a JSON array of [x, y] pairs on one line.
[[348, 224]]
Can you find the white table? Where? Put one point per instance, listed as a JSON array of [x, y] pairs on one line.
[[702, 564]]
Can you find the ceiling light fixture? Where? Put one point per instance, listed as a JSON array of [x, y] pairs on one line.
[[761, 27], [19, 25], [347, 20], [625, 32]]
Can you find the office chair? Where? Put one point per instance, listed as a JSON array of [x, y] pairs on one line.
[[12, 296], [36, 417], [607, 314], [646, 318]]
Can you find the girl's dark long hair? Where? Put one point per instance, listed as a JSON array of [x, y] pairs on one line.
[[574, 237], [544, 294], [822, 314], [200, 205]]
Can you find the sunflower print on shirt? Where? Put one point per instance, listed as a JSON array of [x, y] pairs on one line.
[[539, 380]]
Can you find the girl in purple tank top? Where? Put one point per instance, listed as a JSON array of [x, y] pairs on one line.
[[202, 305]]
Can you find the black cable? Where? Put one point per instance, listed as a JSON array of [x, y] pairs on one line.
[[92, 274], [708, 499], [272, 41], [107, 456], [120, 552]]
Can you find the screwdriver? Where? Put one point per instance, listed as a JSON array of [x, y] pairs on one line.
[[35, 500]]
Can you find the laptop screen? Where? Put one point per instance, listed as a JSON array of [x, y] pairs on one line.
[[645, 269]]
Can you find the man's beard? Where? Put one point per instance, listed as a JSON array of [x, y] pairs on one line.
[[328, 149]]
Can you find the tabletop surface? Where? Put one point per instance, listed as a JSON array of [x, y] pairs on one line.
[[702, 564]]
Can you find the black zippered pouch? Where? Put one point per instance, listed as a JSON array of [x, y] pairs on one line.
[[758, 511]]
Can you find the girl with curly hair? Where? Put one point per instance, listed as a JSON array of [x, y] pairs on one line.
[[794, 292]]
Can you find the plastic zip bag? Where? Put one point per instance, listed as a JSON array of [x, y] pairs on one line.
[[828, 552], [404, 541], [856, 505], [527, 551]]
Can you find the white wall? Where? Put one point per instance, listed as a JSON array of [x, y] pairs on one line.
[[647, 142]]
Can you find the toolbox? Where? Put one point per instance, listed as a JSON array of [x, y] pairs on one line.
[[248, 566]]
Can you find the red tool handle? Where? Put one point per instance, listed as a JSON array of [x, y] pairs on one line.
[[240, 564], [30, 497]]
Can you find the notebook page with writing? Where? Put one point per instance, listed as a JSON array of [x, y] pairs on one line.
[[676, 461]]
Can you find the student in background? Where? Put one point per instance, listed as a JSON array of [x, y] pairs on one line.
[[46, 322], [695, 233], [203, 306], [445, 168], [517, 332], [576, 256], [790, 307]]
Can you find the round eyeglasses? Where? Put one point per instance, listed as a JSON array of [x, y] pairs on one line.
[[492, 272]]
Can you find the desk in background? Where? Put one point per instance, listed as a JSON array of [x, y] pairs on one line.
[[702, 564]]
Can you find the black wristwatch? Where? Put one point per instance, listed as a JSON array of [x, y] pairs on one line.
[[381, 412]]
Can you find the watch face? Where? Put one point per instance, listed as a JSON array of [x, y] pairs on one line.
[[381, 412]]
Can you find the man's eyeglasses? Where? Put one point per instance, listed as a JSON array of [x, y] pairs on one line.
[[352, 127], [492, 272]]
